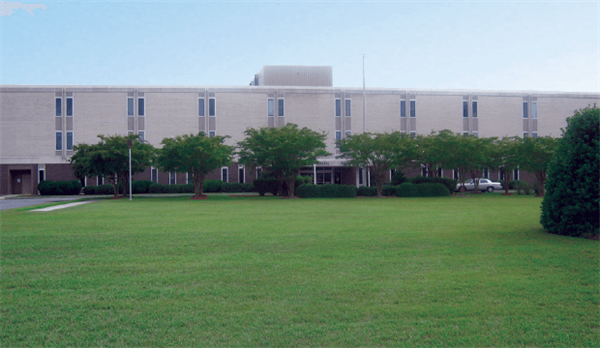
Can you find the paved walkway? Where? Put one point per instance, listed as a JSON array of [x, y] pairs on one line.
[[15, 201], [62, 206]]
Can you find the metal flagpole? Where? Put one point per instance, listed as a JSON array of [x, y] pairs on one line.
[[364, 99]]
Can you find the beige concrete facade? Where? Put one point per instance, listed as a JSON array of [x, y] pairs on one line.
[[28, 120]]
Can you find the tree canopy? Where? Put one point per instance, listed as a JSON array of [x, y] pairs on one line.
[[535, 156], [110, 158], [380, 151], [282, 151], [197, 155]]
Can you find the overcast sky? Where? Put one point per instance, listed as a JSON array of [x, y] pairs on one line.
[[492, 45]]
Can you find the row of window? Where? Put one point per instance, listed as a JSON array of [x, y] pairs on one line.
[[485, 174], [59, 140], [224, 175], [211, 107], [59, 108], [141, 107], [466, 108], [533, 110]]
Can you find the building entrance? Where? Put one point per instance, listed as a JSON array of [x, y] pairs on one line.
[[20, 182]]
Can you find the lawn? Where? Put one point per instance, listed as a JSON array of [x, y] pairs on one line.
[[262, 271]]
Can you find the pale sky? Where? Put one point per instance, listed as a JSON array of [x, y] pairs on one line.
[[489, 45]]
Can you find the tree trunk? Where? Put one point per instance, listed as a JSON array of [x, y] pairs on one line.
[[198, 184], [125, 186], [115, 186], [506, 185], [379, 178], [541, 178], [291, 184]]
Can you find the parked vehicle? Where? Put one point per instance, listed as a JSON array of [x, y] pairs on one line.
[[484, 185]]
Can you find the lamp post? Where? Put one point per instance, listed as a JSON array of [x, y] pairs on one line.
[[129, 145]]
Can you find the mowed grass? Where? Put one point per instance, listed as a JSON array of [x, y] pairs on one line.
[[262, 271]]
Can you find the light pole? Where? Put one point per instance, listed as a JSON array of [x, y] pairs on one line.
[[129, 145]]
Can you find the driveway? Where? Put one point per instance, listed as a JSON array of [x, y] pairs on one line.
[[12, 202]]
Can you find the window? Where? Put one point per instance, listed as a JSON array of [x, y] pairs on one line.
[[525, 135], [224, 174], [465, 133], [338, 135], [270, 107], [58, 106], [534, 134], [212, 107], [456, 174], [525, 111], [360, 176], [413, 134], [129, 106], [58, 141], [258, 170], [475, 133], [348, 105], [142, 134], [69, 141], [534, 110], [338, 107], [424, 171], [69, 106], [41, 175], [141, 107], [129, 132], [241, 175], [211, 134], [280, 107], [465, 109], [403, 108], [348, 133], [501, 175], [200, 106], [154, 175], [413, 106], [172, 178], [485, 173], [516, 174], [474, 107], [189, 178]]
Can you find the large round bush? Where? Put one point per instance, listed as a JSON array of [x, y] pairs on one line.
[[570, 206]]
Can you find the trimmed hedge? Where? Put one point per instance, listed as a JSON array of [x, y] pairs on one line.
[[264, 185], [48, 187], [142, 186], [212, 185], [326, 191], [106, 189], [366, 191], [422, 190], [449, 183], [389, 190]]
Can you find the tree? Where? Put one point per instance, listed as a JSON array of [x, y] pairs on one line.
[[110, 158], [508, 152], [380, 151], [282, 151], [536, 154], [570, 206], [198, 155]]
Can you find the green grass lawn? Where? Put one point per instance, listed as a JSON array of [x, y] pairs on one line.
[[262, 271]]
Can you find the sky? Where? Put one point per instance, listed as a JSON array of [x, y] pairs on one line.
[[474, 45]]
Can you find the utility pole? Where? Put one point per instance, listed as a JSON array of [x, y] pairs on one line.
[[364, 99]]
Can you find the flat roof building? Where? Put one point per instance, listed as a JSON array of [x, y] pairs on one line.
[[40, 124]]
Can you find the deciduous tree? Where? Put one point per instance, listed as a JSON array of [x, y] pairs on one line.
[[535, 156]]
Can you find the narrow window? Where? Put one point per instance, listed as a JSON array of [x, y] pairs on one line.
[[516, 174], [403, 108], [211, 107], [465, 109], [475, 133], [280, 106], [525, 135], [58, 106], [172, 178], [338, 135], [413, 134], [211, 134], [189, 178], [338, 108], [486, 173], [534, 110], [141, 107], [501, 175], [69, 106], [413, 106], [201, 107], [455, 174], [258, 170], [69, 141], [465, 133], [154, 175], [129, 106], [129, 132], [241, 176], [348, 133], [360, 176], [58, 141], [534, 134], [525, 111], [224, 174], [142, 136], [348, 106], [474, 106], [41, 175], [270, 107]]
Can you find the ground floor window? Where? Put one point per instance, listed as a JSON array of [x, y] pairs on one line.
[[154, 175], [172, 178], [241, 176], [224, 174]]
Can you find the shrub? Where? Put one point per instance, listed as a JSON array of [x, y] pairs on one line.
[[338, 191], [303, 179], [142, 186], [366, 191], [308, 191], [388, 190], [106, 189], [571, 203], [398, 178], [407, 190], [521, 186], [449, 183], [47, 187], [265, 184], [156, 188], [235, 187], [212, 185], [247, 187], [225, 187], [432, 190], [89, 190]]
